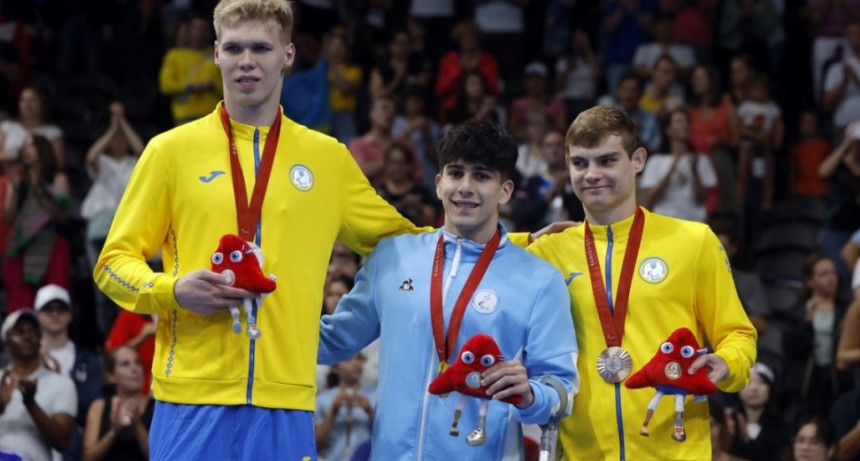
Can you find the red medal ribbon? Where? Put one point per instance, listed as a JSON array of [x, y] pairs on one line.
[[442, 347], [248, 216], [613, 324]]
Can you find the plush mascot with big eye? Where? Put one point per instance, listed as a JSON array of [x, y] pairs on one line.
[[464, 376], [667, 372], [242, 261]]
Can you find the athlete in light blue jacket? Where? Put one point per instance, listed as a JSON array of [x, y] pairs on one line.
[[521, 301]]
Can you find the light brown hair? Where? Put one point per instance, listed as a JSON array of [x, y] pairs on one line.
[[593, 126], [277, 15]]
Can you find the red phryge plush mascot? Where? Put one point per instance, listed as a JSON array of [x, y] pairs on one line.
[[242, 261], [667, 372], [464, 376]]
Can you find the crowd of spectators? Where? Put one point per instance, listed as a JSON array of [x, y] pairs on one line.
[[749, 109]]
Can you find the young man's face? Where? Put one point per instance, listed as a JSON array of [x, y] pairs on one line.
[[471, 195], [252, 59], [604, 177], [56, 317]]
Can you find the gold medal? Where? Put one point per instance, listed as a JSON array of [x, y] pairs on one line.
[[614, 364]]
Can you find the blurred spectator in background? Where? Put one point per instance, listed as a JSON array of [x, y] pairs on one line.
[[662, 93], [713, 117], [816, 440], [747, 25], [503, 27], [842, 82], [369, 149], [762, 134], [841, 169], [110, 161], [807, 155], [473, 102], [627, 96], [343, 262], [389, 76], [344, 416], [576, 75], [813, 380], [848, 352], [537, 103], [422, 132], [556, 28], [626, 25], [677, 179], [760, 434], [33, 120], [750, 289], [400, 188], [56, 314], [344, 81], [36, 204], [829, 20], [189, 75], [138, 332], [37, 405], [335, 288], [530, 160], [456, 64], [664, 45], [437, 18], [117, 427], [741, 72], [546, 196]]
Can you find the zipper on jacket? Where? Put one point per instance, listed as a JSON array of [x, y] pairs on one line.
[[423, 422], [249, 391], [618, 416]]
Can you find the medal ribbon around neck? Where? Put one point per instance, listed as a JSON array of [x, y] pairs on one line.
[[249, 216], [444, 347], [613, 324]]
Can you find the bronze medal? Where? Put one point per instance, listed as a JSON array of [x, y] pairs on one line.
[[614, 364], [672, 370]]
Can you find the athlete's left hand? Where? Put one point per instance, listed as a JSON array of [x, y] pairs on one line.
[[506, 379], [718, 370]]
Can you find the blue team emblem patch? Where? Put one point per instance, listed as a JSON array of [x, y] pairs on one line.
[[301, 177], [486, 301], [653, 270]]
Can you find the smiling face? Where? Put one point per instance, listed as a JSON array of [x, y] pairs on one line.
[[604, 179], [127, 372], [23, 339], [252, 59], [471, 195]]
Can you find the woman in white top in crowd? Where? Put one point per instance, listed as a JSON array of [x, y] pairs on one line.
[[676, 181]]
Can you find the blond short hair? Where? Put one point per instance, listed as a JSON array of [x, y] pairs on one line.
[[593, 126], [277, 15]]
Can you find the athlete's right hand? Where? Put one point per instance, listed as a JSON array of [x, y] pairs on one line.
[[206, 292]]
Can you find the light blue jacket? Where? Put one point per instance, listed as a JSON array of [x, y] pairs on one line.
[[525, 307]]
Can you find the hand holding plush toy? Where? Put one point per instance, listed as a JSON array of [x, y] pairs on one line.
[[242, 261], [667, 372], [479, 353]]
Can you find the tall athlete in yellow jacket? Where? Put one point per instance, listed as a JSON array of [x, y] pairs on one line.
[[222, 395], [680, 276]]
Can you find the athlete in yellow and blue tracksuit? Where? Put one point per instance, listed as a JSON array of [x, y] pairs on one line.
[[180, 201], [682, 278]]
